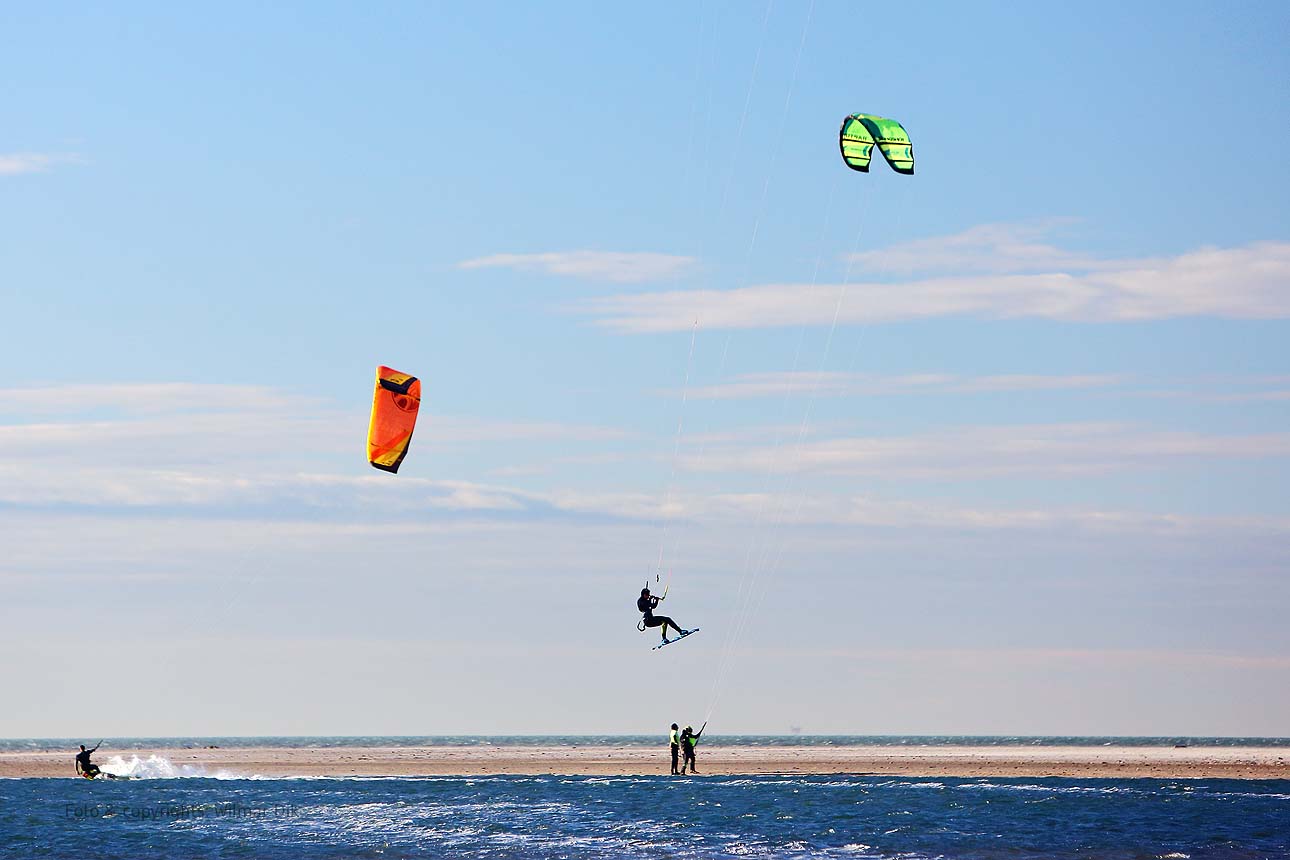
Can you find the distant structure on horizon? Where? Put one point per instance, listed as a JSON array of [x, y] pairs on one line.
[[796, 730]]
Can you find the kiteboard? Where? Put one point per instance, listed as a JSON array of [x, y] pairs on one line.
[[677, 639]]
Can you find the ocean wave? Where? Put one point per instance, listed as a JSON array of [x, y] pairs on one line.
[[159, 767]]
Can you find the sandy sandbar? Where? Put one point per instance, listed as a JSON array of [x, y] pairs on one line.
[[943, 761]]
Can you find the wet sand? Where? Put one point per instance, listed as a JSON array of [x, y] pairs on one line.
[[942, 761]]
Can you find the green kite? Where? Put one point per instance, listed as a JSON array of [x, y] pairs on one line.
[[861, 131]]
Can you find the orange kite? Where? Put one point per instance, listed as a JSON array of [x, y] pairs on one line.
[[394, 415]]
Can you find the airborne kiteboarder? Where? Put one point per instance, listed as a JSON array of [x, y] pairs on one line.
[[647, 603]]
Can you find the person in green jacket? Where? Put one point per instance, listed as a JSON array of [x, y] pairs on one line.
[[689, 739]]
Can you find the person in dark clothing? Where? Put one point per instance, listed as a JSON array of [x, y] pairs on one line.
[[674, 738], [84, 766], [647, 603], [688, 741]]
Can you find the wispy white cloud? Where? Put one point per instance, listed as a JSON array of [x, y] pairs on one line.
[[1226, 389], [146, 398], [547, 466], [233, 488], [218, 464], [205, 445], [851, 510], [256, 458], [175, 438], [182, 422], [838, 384], [418, 504], [1248, 282], [1111, 659], [991, 451], [1199, 395], [1253, 397], [624, 267], [17, 163], [452, 428], [1213, 389], [994, 248]]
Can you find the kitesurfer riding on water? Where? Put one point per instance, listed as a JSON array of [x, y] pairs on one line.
[[647, 603], [84, 766]]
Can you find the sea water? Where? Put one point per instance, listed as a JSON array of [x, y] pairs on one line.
[[646, 817]]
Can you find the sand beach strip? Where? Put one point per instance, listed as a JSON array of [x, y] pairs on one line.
[[609, 760]]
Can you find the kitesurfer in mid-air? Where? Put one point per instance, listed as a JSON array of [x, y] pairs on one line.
[[84, 766], [647, 604]]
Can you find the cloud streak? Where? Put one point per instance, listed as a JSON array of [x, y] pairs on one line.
[[147, 398], [1054, 450], [193, 445], [217, 465], [994, 248], [1110, 659], [1247, 282], [19, 163], [839, 384], [622, 267], [179, 422], [423, 503]]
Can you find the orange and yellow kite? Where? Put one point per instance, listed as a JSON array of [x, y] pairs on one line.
[[394, 415]]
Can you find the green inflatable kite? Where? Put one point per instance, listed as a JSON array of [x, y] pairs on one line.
[[861, 131]]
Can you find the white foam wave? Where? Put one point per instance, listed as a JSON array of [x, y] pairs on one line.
[[159, 767]]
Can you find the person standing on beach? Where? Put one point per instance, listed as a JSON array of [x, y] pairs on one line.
[[688, 741], [674, 738]]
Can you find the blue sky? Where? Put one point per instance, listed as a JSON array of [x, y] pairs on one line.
[[1033, 480]]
